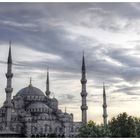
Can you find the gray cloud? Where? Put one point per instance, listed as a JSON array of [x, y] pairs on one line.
[[128, 90], [65, 30]]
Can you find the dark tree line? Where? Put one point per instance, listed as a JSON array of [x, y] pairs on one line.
[[121, 126]]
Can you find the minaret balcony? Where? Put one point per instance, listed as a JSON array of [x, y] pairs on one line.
[[9, 75], [83, 81], [105, 115], [7, 105], [83, 93], [84, 107], [104, 106], [8, 90]]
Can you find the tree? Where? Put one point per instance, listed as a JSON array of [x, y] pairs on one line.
[[123, 126], [119, 126], [137, 122], [89, 130], [104, 131]]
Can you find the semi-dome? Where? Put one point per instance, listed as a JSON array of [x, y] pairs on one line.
[[38, 107], [30, 90]]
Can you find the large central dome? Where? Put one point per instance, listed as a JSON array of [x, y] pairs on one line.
[[30, 90]]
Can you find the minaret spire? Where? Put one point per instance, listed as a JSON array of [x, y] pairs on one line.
[[47, 84], [9, 88], [104, 107], [84, 106], [9, 55], [83, 63]]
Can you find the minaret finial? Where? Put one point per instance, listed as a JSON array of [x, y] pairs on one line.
[[47, 84], [104, 107], [103, 85], [10, 43], [84, 106]]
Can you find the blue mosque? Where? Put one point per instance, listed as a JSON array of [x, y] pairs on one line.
[[33, 113]]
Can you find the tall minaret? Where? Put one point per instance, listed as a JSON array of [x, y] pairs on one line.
[[104, 107], [47, 84], [9, 89], [84, 106]]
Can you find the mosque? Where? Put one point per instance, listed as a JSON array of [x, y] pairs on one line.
[[32, 113]]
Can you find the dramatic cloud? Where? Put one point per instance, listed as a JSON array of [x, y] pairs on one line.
[[55, 35]]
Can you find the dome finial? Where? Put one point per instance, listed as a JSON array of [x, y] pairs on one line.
[[30, 81]]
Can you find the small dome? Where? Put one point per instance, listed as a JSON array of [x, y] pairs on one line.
[[59, 111], [54, 99], [30, 90], [61, 115]]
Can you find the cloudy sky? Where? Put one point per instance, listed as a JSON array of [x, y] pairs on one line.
[[55, 34]]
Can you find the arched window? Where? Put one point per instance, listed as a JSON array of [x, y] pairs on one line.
[[18, 128], [39, 109], [1, 128], [47, 128], [33, 129], [28, 97], [77, 129], [71, 128], [41, 130], [57, 129], [50, 129]]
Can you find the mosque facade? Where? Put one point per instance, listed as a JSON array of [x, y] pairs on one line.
[[32, 113]]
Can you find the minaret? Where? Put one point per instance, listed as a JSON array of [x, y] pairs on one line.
[[104, 107], [47, 84], [84, 93], [9, 89]]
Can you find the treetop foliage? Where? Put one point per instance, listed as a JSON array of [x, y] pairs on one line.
[[122, 125]]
